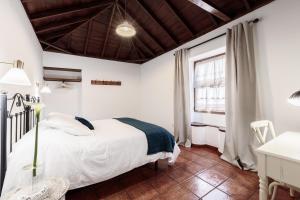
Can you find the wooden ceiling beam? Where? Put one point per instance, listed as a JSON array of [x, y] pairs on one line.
[[129, 52], [54, 36], [146, 47], [86, 43], [69, 42], [247, 4], [131, 18], [66, 31], [61, 25], [107, 58], [210, 9], [139, 60], [154, 18], [57, 35], [92, 18], [135, 50], [118, 50], [213, 19], [55, 47], [108, 29], [178, 17], [139, 52], [63, 34], [45, 15]]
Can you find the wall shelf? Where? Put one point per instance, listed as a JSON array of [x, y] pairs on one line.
[[62, 74], [97, 82], [62, 79]]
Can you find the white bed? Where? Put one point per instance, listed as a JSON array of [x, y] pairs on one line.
[[114, 148]]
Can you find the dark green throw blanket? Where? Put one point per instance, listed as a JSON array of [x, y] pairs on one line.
[[158, 138]]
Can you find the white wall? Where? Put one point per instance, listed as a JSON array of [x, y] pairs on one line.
[[278, 46], [18, 41], [95, 102], [277, 42], [157, 90]]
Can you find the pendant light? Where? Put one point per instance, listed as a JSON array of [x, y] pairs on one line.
[[125, 29]]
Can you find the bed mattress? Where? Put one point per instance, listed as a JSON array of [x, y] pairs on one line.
[[113, 149]]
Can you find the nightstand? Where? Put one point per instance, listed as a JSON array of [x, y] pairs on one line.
[[58, 187]]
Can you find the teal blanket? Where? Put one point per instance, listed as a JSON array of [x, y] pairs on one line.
[[158, 138]]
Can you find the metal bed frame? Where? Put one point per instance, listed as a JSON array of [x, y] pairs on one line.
[[13, 126]]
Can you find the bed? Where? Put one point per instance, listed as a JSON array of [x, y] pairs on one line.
[[112, 149]]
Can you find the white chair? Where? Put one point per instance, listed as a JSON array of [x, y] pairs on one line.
[[266, 126], [261, 130]]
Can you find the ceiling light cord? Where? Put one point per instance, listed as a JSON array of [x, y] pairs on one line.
[[125, 10], [125, 29]]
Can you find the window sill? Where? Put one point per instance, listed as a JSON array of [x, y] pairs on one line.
[[210, 112], [197, 124]]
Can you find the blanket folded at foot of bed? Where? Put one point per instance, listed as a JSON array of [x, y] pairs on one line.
[[158, 138]]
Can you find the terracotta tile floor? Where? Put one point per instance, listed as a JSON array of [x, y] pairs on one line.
[[199, 173]]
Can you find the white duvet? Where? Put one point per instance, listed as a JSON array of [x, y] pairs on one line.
[[114, 148]]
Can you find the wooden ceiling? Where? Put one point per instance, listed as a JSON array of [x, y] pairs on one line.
[[87, 27]]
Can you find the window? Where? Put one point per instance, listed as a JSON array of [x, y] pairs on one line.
[[209, 85]]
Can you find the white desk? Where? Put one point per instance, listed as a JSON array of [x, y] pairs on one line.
[[279, 159]]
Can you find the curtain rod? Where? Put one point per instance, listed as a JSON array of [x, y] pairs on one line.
[[218, 36]]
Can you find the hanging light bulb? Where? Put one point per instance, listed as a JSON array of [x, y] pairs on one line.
[[125, 29]]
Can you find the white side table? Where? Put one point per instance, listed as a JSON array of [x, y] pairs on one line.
[[58, 187]]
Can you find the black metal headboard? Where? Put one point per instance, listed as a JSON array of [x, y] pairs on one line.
[[13, 126]]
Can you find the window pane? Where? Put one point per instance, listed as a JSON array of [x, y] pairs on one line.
[[209, 84]]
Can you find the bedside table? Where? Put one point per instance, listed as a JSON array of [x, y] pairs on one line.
[[58, 187]]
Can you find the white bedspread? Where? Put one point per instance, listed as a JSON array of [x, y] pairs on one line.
[[114, 148]]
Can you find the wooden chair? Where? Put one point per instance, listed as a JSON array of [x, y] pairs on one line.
[[261, 130]]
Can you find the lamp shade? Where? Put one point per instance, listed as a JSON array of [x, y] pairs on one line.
[[294, 99], [45, 90], [125, 29], [15, 76]]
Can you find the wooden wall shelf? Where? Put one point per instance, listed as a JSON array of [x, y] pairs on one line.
[[97, 82], [62, 74], [62, 79], [62, 69]]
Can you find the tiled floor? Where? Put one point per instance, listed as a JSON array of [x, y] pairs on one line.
[[199, 173]]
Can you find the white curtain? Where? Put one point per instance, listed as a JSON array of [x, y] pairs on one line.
[[240, 94], [209, 84], [182, 119]]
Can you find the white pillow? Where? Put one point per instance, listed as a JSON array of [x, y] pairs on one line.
[[67, 124]]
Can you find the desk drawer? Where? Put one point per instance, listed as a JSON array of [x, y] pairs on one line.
[[274, 168], [291, 173]]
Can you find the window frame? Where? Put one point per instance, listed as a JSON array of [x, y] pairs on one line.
[[205, 111]]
